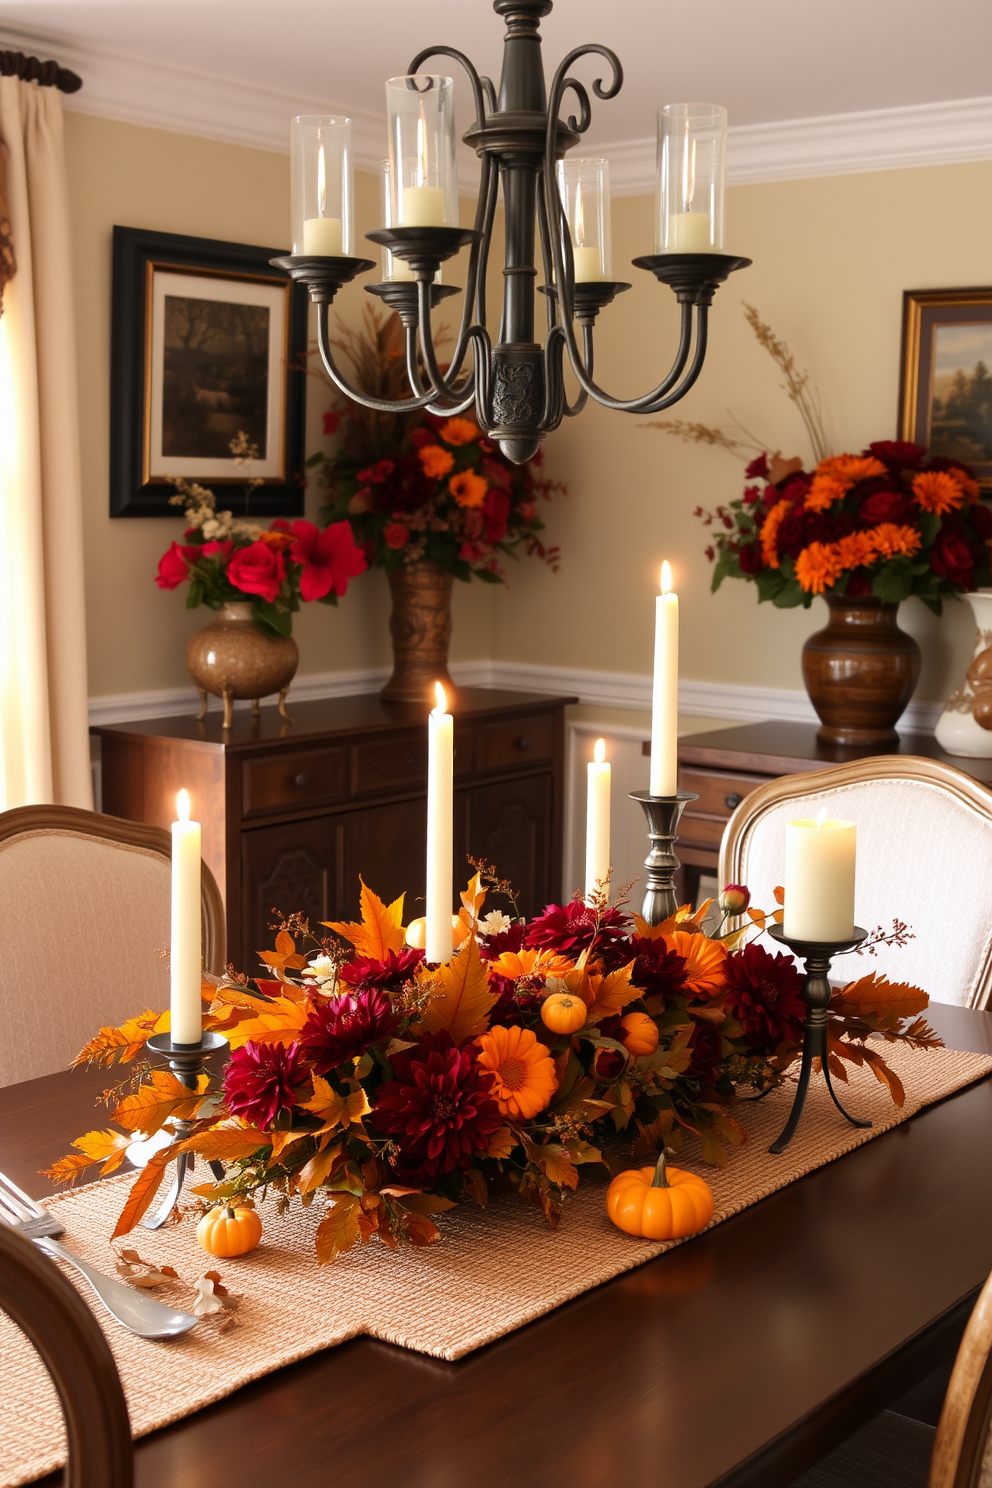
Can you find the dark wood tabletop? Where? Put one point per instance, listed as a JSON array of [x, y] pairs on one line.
[[737, 1359]]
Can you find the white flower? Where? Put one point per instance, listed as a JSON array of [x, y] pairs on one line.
[[321, 969], [212, 529], [494, 922]]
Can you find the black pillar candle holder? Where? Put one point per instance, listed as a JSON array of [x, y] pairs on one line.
[[186, 1062], [663, 814], [816, 994]]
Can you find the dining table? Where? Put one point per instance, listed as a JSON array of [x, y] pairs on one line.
[[737, 1359]]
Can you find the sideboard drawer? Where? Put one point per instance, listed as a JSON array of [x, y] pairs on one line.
[[301, 778], [719, 792], [388, 764], [520, 741]]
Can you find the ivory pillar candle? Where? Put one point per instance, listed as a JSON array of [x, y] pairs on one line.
[[819, 879], [322, 235], [423, 206], [690, 232], [186, 959], [597, 819], [588, 266], [440, 780], [665, 695]]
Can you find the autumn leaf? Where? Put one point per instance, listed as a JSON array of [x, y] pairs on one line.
[[67, 1169], [160, 1096], [226, 1142], [876, 994], [553, 1162], [473, 898], [885, 1076], [279, 1023], [608, 994], [419, 1230], [501, 1143], [334, 1109], [460, 998], [108, 1147], [338, 1230], [475, 1185], [142, 1192], [285, 956], [423, 1203], [119, 1045], [318, 1169], [380, 930]]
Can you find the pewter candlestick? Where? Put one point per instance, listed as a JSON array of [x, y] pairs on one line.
[[186, 1062], [816, 994], [663, 814]]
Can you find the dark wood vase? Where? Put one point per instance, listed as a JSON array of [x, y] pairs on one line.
[[860, 671], [420, 625]]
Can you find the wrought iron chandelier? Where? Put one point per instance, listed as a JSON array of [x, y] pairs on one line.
[[517, 386]]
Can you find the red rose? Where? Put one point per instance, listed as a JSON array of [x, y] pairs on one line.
[[216, 549], [495, 511], [173, 566], [885, 506], [952, 557], [257, 569], [749, 558], [896, 452], [331, 421], [329, 559], [981, 521], [757, 469], [395, 535]]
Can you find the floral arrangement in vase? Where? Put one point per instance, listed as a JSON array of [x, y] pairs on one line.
[[381, 1090]]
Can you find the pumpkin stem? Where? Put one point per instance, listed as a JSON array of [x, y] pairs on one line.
[[229, 1212], [660, 1179]]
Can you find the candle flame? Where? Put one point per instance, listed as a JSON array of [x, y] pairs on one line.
[[666, 578], [321, 184], [599, 753], [442, 699], [821, 816], [422, 149], [580, 220], [182, 806]]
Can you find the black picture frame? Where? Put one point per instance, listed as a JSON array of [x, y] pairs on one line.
[[134, 490]]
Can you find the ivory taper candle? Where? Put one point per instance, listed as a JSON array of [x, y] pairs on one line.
[[186, 959], [440, 780], [820, 859], [665, 696], [597, 819]]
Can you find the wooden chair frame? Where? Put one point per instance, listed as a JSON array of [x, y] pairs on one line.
[[27, 820], [962, 1434], [907, 767]]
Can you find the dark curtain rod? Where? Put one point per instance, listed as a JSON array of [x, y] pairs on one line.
[[48, 74]]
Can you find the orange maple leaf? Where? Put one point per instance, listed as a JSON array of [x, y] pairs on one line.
[[875, 994], [381, 928], [285, 957], [226, 1142], [119, 1045], [279, 1023], [603, 995], [160, 1096], [143, 1190], [460, 999]]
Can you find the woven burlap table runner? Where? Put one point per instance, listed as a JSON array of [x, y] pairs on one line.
[[492, 1271]]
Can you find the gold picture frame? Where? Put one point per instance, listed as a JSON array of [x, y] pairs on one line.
[[945, 384]]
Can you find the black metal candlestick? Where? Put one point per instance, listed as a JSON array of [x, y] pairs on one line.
[[663, 814], [186, 1063], [816, 994]]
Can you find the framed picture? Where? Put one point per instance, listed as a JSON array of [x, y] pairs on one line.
[[208, 372], [945, 396]]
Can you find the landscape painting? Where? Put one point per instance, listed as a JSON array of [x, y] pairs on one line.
[[215, 382], [945, 396]]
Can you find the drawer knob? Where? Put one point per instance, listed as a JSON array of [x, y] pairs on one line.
[[732, 801], [302, 780], [523, 742]]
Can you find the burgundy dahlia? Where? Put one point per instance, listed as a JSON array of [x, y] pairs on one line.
[[658, 971], [706, 1048], [342, 1028], [395, 968], [510, 939], [764, 994], [571, 928], [259, 1081], [438, 1108]]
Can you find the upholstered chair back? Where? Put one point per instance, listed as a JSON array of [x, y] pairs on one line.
[[924, 857], [84, 931]]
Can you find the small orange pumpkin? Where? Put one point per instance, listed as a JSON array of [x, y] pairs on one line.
[[563, 1013], [224, 1231], [640, 1034], [659, 1203], [416, 932]]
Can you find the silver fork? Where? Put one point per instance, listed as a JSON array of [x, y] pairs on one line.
[[142, 1315]]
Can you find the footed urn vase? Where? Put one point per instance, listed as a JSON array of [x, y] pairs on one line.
[[860, 671], [965, 726], [420, 626], [232, 658]]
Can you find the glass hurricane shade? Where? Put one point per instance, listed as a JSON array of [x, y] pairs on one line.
[[321, 186], [692, 150], [393, 269], [584, 186], [423, 185]]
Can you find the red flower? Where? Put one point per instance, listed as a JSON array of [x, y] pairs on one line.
[[764, 994], [885, 506], [221, 550], [341, 1028], [749, 558], [608, 1064], [392, 971], [952, 557], [329, 558], [331, 421], [438, 1107], [572, 927], [421, 437], [981, 521], [257, 569], [858, 586], [495, 512], [758, 469], [706, 1047], [395, 535], [896, 453], [173, 566], [259, 1081], [658, 970], [374, 475]]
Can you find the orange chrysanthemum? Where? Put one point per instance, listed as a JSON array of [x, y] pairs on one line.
[[530, 963], [856, 550], [819, 566], [938, 491], [459, 431], [523, 1070], [436, 461], [769, 532], [468, 488], [825, 490], [704, 962], [968, 483], [835, 476], [890, 540]]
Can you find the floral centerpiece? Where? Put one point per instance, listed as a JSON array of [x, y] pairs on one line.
[[382, 1090]]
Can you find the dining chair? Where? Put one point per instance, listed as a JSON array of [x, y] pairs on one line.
[[84, 930], [924, 858], [50, 1312]]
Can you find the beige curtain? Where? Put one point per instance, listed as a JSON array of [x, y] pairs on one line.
[[44, 742]]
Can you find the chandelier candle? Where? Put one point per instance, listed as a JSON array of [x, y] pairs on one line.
[[321, 186], [597, 819], [692, 148], [663, 779], [186, 959], [820, 859], [440, 782], [421, 178], [585, 195]]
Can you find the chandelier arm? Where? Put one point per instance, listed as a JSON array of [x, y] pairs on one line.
[[478, 91], [554, 385], [571, 409], [546, 255], [378, 405], [702, 323], [485, 225], [441, 386]]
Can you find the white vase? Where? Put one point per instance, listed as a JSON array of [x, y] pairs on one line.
[[957, 730]]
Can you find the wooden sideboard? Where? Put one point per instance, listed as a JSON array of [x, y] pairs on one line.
[[293, 812]]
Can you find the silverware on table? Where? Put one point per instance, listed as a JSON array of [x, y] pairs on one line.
[[142, 1315]]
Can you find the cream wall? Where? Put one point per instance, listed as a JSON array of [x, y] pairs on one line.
[[135, 177], [831, 259]]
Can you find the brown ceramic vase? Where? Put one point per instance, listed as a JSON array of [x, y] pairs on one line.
[[232, 658], [420, 626], [860, 671]]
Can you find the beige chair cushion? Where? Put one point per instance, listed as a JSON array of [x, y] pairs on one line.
[[85, 925], [924, 856]]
